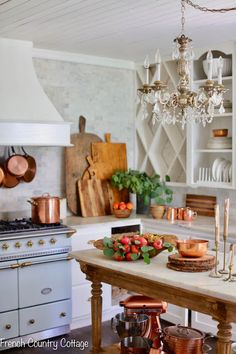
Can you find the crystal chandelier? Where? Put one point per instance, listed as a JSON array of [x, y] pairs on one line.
[[183, 105]]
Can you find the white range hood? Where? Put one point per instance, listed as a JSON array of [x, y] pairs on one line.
[[27, 116]]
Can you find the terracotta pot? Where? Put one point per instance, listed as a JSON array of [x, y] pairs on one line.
[[45, 209], [157, 211]]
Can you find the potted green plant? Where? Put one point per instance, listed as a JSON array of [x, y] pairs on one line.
[[145, 186]]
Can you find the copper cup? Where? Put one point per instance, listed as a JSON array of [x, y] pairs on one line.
[[180, 213], [171, 213]]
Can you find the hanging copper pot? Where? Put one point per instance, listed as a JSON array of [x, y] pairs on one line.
[[185, 340], [31, 170], [1, 175], [16, 164], [9, 180], [45, 209]]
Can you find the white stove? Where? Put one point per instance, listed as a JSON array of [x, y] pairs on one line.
[[35, 299]]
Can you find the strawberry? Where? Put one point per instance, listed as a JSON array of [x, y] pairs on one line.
[[134, 249], [125, 240], [126, 248], [118, 257], [143, 241], [128, 256], [115, 246], [158, 244]]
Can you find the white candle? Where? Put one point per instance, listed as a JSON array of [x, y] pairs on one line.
[[146, 65], [226, 218], [217, 223], [209, 63], [158, 65], [220, 67]]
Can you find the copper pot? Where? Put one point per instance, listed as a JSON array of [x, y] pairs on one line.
[[45, 209], [16, 164], [192, 248], [185, 340], [31, 171]]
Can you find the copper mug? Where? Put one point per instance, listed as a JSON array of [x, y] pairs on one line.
[[171, 214], [189, 214], [180, 213]]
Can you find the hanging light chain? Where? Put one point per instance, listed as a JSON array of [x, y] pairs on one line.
[[182, 15], [206, 9]]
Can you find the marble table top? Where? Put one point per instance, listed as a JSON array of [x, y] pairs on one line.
[[158, 271]]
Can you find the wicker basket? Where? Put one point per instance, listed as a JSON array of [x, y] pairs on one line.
[[119, 213]]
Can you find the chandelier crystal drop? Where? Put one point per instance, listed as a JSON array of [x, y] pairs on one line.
[[183, 105]]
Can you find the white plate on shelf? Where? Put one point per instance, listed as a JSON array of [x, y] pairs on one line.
[[230, 173], [220, 170], [226, 172], [215, 166]]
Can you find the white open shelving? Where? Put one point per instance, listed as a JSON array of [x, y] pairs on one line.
[[167, 149]]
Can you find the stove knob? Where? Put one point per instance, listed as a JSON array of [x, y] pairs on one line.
[[8, 326], [41, 242], [17, 244], [32, 321], [5, 246], [29, 243], [53, 241]]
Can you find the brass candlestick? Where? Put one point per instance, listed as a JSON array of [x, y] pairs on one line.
[[231, 276], [214, 273], [224, 270]]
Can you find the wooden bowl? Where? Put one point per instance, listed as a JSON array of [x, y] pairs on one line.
[[122, 213], [220, 132], [192, 248]]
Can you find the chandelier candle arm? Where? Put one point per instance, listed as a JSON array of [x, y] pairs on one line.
[[146, 65], [158, 65], [220, 68], [209, 64]]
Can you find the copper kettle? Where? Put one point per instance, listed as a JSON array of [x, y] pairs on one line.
[[185, 340]]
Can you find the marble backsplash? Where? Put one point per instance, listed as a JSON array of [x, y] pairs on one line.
[[104, 95]]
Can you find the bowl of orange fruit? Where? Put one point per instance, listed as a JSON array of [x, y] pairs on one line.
[[122, 209]]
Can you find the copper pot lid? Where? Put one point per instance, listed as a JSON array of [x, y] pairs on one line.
[[184, 332], [45, 196]]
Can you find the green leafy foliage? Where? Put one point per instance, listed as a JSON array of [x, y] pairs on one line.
[[143, 184]]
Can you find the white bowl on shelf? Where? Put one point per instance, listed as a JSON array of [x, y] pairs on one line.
[[227, 67]]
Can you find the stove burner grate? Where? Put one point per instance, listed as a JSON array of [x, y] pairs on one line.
[[24, 225]]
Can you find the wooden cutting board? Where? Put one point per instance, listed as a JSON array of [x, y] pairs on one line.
[[202, 204], [96, 196], [76, 163], [110, 158]]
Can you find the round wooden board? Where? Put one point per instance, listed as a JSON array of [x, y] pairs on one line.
[[202, 264]]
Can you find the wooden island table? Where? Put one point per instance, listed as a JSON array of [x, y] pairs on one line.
[[196, 291]]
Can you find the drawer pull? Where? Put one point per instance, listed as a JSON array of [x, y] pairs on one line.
[[63, 314], [8, 326], [32, 321]]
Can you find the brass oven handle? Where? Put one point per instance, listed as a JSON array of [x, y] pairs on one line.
[[26, 264], [14, 266], [8, 326], [32, 321], [71, 232]]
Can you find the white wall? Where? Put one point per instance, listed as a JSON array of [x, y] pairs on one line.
[[104, 95]]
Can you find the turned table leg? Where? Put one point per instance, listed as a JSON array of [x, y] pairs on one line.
[[224, 335], [96, 309]]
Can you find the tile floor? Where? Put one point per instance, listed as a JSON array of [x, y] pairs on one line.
[[79, 335]]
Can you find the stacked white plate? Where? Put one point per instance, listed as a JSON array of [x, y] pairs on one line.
[[222, 170], [220, 143]]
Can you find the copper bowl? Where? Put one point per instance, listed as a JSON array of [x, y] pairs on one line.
[[192, 248], [220, 132]]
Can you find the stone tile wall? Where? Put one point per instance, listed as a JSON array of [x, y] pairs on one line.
[[104, 95]]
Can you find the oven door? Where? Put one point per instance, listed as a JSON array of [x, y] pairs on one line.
[[8, 281], [44, 279]]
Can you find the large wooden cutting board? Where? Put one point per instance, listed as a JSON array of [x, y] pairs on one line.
[[96, 196], [110, 158], [76, 163], [202, 204]]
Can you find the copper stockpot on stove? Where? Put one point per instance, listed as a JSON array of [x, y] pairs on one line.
[[45, 209], [185, 340]]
